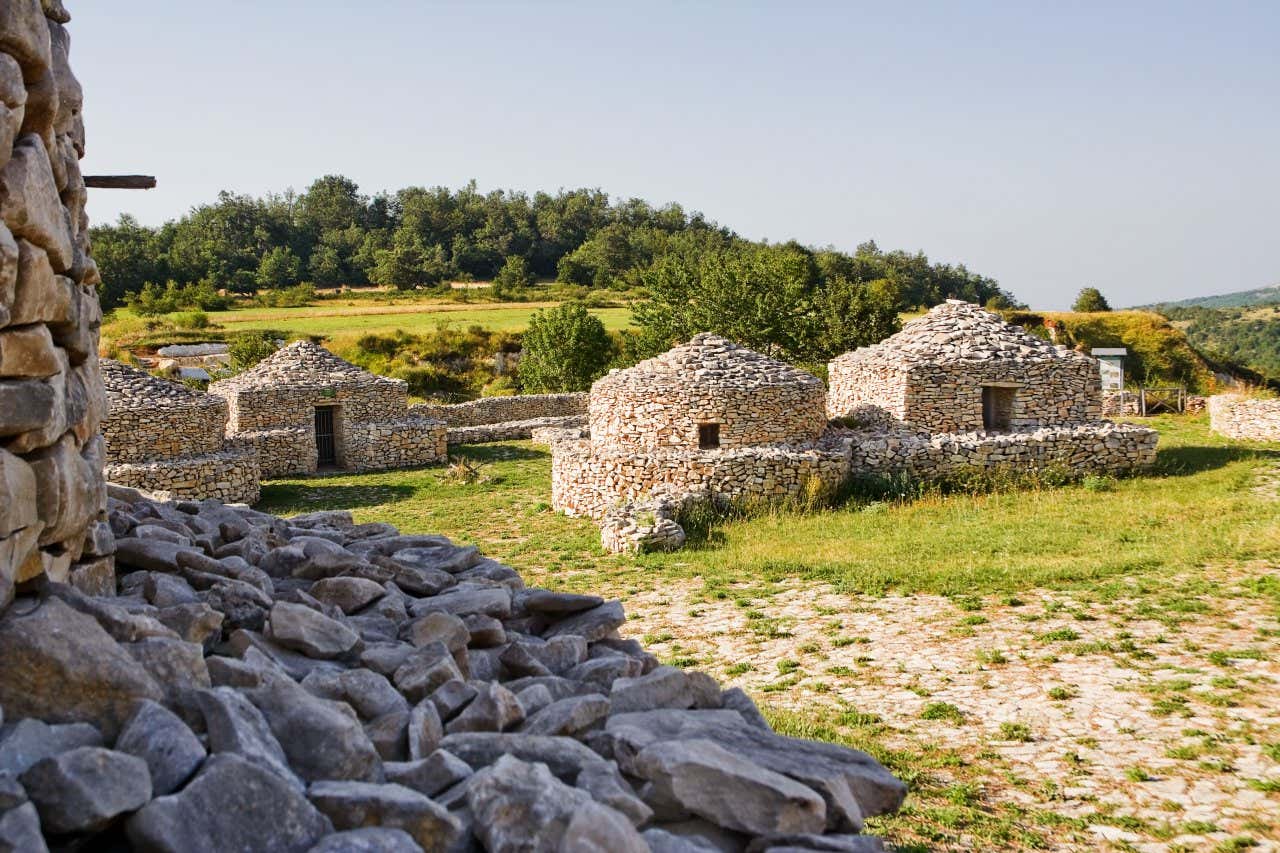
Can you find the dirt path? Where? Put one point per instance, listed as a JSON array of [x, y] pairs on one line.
[[1118, 724]]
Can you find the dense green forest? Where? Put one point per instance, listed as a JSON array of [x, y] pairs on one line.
[[333, 235], [1248, 336], [1236, 299]]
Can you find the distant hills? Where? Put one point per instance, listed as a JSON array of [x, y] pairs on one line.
[[1237, 299]]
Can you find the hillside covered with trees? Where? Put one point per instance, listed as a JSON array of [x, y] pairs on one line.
[[332, 235], [1247, 336]]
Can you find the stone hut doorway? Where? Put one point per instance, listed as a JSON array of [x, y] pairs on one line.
[[997, 407], [708, 436], [326, 438]]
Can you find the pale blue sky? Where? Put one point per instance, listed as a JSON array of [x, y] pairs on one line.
[[1133, 146]]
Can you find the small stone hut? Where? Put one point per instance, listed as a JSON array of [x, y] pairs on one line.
[[961, 388], [960, 368], [165, 437], [706, 418], [303, 409]]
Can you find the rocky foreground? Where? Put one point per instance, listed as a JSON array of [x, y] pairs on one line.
[[311, 684]]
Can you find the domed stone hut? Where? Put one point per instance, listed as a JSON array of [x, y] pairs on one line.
[[962, 388], [303, 408], [960, 368], [706, 418], [165, 437]]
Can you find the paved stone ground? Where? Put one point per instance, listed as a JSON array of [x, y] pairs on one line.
[[1151, 721]]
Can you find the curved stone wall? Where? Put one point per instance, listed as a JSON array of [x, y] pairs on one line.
[[1251, 418], [159, 432], [229, 475], [590, 479], [52, 492]]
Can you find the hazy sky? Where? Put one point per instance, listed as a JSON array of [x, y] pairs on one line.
[[1130, 146]]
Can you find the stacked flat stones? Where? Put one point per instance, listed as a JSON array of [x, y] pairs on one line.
[[644, 434], [51, 399], [931, 373], [272, 409], [1251, 418], [311, 684], [506, 418], [162, 436]]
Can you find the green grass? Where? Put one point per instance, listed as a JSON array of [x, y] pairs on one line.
[[1196, 509]]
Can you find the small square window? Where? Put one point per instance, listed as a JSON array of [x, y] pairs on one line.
[[708, 436]]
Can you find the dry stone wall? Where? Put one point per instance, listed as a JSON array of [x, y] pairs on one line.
[[163, 437], [52, 493], [497, 410], [1252, 418]]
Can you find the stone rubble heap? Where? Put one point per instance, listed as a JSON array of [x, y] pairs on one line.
[[162, 436], [1249, 418], [51, 400], [313, 684], [639, 527]]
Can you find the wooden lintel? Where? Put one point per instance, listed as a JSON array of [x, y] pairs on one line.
[[120, 182]]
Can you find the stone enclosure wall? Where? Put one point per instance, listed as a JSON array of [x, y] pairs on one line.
[[52, 493], [506, 418], [163, 437], [1252, 418]]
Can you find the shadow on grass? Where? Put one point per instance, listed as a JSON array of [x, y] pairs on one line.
[[497, 451], [1194, 459], [319, 495]]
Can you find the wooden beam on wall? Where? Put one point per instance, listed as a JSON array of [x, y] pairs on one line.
[[120, 182]]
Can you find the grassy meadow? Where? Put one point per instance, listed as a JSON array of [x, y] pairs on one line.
[[901, 626]]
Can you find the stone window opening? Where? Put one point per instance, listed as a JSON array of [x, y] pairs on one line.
[[997, 407], [708, 436]]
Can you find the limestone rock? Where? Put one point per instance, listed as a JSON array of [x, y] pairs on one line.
[[61, 666], [232, 804], [171, 751], [322, 739], [298, 627], [372, 839], [352, 805], [86, 788], [28, 741]]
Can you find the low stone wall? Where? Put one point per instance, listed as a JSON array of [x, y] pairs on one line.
[[512, 430], [1119, 403], [405, 443], [549, 435], [281, 452], [230, 476], [494, 410], [1253, 418], [1092, 448], [590, 479], [160, 433]]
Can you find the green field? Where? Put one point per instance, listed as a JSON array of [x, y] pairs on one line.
[[1096, 594]]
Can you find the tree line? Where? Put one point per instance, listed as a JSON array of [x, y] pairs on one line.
[[333, 235]]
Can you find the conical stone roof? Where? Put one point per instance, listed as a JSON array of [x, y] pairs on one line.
[[301, 364], [708, 361], [129, 388], [958, 331]]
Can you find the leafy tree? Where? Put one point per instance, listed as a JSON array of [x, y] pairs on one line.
[[513, 277], [279, 268], [248, 348], [1090, 299], [565, 349], [128, 256]]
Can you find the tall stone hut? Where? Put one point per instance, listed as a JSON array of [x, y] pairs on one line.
[[162, 436], [960, 368], [52, 493], [707, 417], [303, 408]]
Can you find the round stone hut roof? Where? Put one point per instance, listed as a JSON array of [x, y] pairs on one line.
[[301, 364], [707, 361], [131, 389], [958, 331]]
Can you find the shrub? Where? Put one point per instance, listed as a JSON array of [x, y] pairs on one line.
[[189, 320], [512, 278], [248, 348], [565, 349], [500, 386]]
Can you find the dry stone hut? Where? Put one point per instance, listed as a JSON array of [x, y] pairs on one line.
[[705, 418], [165, 437], [304, 408], [960, 387], [52, 494]]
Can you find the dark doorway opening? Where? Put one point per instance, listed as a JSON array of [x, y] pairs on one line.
[[997, 408], [326, 446], [708, 436]]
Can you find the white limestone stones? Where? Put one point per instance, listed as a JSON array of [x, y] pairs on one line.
[[1250, 418]]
